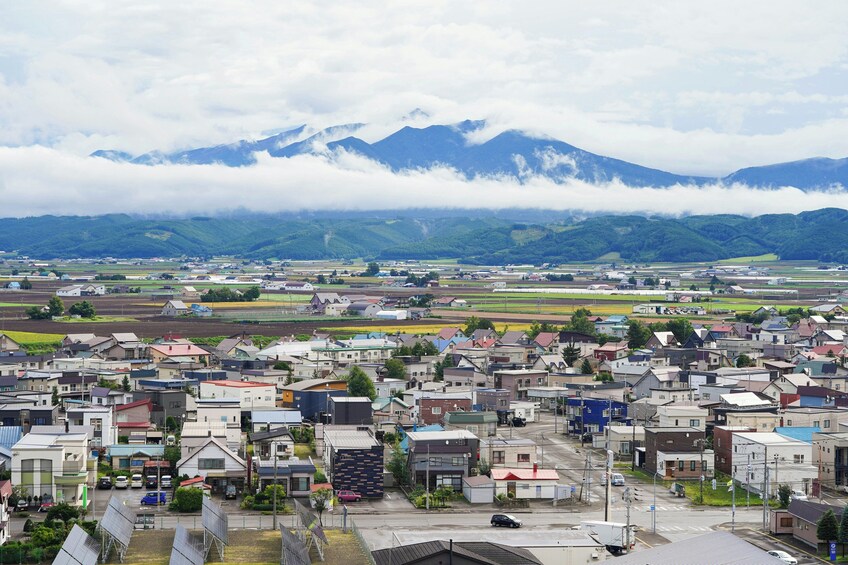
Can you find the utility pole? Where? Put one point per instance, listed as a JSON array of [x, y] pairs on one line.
[[627, 500], [765, 494], [748, 484], [428, 475], [732, 504], [275, 489], [607, 486], [701, 443]]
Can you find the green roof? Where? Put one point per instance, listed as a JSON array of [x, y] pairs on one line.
[[470, 418]]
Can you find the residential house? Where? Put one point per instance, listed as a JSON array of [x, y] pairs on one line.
[[481, 424], [723, 446], [182, 352], [441, 458], [431, 407], [100, 418], [275, 443], [677, 453], [623, 440], [194, 435], [174, 308], [592, 415], [133, 458], [661, 339], [830, 457], [511, 453], [280, 418], [52, 465], [533, 483], [806, 515], [392, 409], [611, 351], [494, 399], [9, 436], [133, 419], [682, 416], [321, 300], [791, 460], [294, 474], [8, 345], [350, 410], [518, 381], [353, 460], [217, 465], [5, 511], [249, 394]]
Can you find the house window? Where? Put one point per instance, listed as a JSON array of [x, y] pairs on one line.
[[694, 423], [458, 461], [680, 465], [676, 422], [799, 458], [524, 458], [210, 463], [816, 424], [300, 483], [706, 396], [827, 423], [436, 410], [789, 423], [498, 457], [703, 466], [435, 461], [692, 465]]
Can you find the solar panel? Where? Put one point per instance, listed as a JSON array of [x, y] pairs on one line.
[[294, 550], [214, 520], [187, 550], [318, 531], [79, 549], [119, 522], [310, 522]]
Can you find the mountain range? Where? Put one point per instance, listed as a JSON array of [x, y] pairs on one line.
[[477, 237], [512, 154]]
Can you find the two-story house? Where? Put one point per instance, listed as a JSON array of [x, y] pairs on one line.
[[441, 458]]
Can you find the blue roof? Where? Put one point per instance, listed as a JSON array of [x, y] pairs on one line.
[[404, 443], [370, 335], [10, 435], [125, 450], [800, 434]]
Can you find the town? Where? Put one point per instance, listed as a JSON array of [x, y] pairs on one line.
[[354, 419]]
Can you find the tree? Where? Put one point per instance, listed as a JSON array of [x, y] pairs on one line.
[[251, 294], [580, 322], [784, 492], [360, 384], [170, 424], [843, 531], [586, 368], [63, 511], [187, 500], [632, 280], [571, 353], [827, 529], [319, 477], [395, 369], [439, 370], [474, 323], [637, 334], [125, 383], [321, 501], [681, 328], [25, 284], [744, 361], [172, 455], [84, 309], [55, 307], [371, 270], [54, 399], [397, 465]]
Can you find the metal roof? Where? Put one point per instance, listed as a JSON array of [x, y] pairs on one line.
[[709, 549], [350, 439]]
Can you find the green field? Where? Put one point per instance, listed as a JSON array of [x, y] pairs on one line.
[[25, 338]]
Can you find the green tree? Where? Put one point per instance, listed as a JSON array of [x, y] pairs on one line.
[[580, 322], [637, 334], [54, 399], [170, 424], [397, 465], [187, 500], [843, 531], [275, 491], [395, 369], [439, 370], [586, 368], [84, 309], [571, 353], [632, 280], [55, 307], [26, 284], [784, 492], [371, 270], [827, 529], [360, 384], [125, 383], [172, 455], [321, 501], [319, 477], [251, 294], [64, 512], [744, 361], [681, 328]]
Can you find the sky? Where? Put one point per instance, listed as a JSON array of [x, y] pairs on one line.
[[700, 89]]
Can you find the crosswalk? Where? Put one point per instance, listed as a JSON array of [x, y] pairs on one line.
[[671, 508], [683, 529]]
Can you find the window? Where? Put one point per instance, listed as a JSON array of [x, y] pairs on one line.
[[524, 458], [692, 465], [816, 424], [436, 410], [498, 457], [694, 423], [680, 465], [799, 458], [789, 423], [676, 422], [435, 461], [458, 461], [827, 423], [703, 466], [300, 483], [210, 463], [706, 396]]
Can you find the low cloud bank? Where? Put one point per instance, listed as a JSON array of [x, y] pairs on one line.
[[37, 180]]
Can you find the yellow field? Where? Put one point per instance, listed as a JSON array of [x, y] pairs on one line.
[[422, 329], [32, 337]]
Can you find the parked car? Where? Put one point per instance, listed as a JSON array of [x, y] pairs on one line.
[[348, 496], [166, 481], [151, 482], [151, 498], [505, 520], [104, 483], [519, 422], [21, 505], [122, 482], [137, 481], [230, 493], [798, 495], [783, 556], [617, 480], [45, 506]]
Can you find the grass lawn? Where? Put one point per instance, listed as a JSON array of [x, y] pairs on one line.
[[15, 304], [303, 451], [719, 497], [32, 337], [96, 319]]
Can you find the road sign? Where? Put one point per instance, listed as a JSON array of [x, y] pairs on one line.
[[652, 508], [714, 484], [833, 551]]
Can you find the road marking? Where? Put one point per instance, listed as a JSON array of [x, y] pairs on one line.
[[643, 542], [764, 534]]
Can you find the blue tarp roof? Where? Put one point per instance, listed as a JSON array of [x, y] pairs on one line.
[[404, 443], [801, 434], [10, 435]]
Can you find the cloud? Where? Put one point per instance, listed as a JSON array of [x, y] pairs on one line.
[[38, 180]]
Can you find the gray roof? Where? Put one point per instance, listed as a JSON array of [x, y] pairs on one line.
[[350, 439], [709, 549], [486, 553], [811, 511]]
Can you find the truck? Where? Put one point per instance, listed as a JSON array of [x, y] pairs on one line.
[[612, 534]]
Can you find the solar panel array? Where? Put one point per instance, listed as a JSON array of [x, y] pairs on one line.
[[79, 549], [187, 550], [215, 520], [310, 522], [294, 550], [119, 522]]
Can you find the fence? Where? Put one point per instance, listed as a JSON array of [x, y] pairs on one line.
[[362, 542]]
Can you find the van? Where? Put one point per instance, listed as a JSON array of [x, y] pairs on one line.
[[137, 481], [171, 441], [166, 481]]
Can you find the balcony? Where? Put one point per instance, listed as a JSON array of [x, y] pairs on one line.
[[71, 479], [73, 467]]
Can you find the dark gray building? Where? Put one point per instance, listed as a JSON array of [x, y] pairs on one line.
[[353, 460], [165, 403], [351, 410], [447, 456]]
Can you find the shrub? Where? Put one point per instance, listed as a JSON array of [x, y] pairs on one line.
[[187, 500], [247, 502], [320, 477], [28, 526]]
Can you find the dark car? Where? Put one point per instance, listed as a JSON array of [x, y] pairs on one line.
[[506, 520], [519, 422], [104, 483], [154, 498], [151, 482], [230, 493]]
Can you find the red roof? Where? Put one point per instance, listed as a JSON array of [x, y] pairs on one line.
[[525, 475], [195, 481], [318, 486], [447, 333], [137, 403], [178, 349], [823, 350], [5, 489], [545, 339], [721, 329]]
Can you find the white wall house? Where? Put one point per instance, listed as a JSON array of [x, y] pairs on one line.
[[214, 462], [250, 395], [53, 465], [526, 483], [101, 419], [682, 416], [789, 461]]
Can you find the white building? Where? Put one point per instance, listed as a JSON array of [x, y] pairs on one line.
[[250, 395], [789, 461], [215, 463], [54, 465], [101, 420], [682, 416]]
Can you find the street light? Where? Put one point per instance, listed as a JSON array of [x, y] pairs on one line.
[[654, 506]]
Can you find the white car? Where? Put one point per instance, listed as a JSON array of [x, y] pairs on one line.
[[798, 495], [137, 481], [783, 556], [122, 482]]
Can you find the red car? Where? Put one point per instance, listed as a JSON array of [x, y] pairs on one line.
[[348, 496]]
